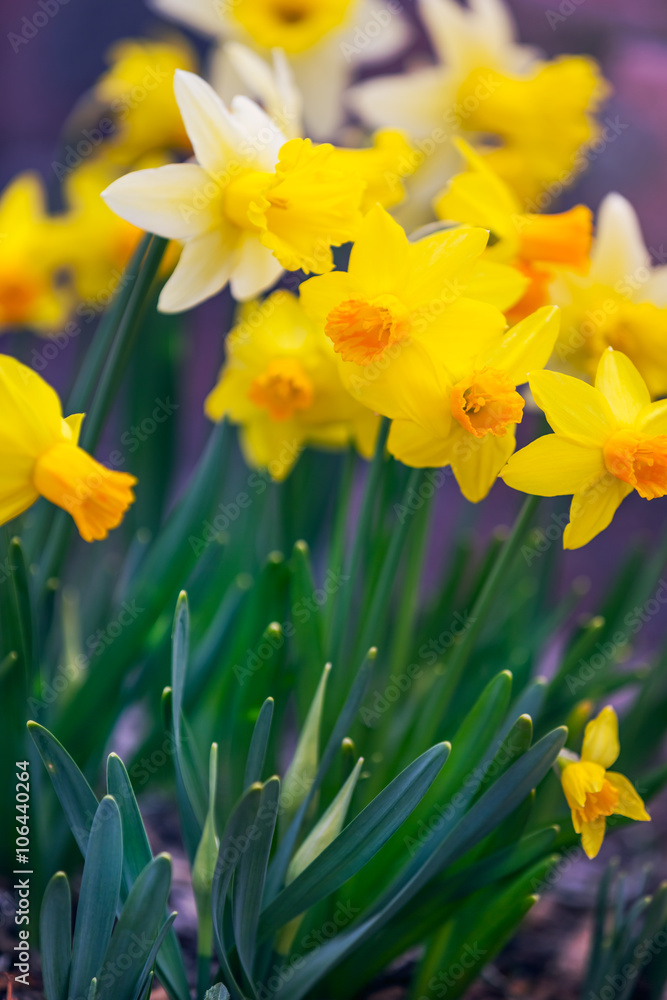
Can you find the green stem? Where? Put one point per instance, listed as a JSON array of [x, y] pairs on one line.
[[337, 545], [409, 604], [379, 608], [445, 687], [341, 611], [110, 378]]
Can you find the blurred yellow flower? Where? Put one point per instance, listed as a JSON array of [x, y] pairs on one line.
[[30, 293], [418, 332], [138, 90], [40, 456], [252, 205], [95, 243], [609, 440], [538, 245], [530, 118], [621, 302], [280, 382], [324, 41], [593, 792]]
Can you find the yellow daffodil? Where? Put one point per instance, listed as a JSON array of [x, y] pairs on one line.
[[320, 38], [40, 456], [138, 90], [620, 303], [419, 337], [280, 382], [593, 792], [538, 245], [252, 205], [528, 117], [609, 440], [30, 294]]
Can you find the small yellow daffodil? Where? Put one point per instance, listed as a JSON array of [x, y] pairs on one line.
[[621, 302], [30, 294], [138, 90], [538, 245], [420, 338], [40, 456], [252, 205], [609, 440], [280, 382], [593, 793]]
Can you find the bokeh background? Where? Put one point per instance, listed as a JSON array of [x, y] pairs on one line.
[[42, 82]]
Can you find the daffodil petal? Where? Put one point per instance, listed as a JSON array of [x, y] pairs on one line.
[[74, 423], [460, 337], [619, 250], [622, 386], [31, 410], [553, 466], [414, 446], [476, 462], [321, 294], [573, 408], [216, 136], [580, 778], [379, 258], [528, 345], [653, 418], [176, 201], [273, 445], [601, 739], [592, 835], [442, 264], [255, 269], [14, 504], [630, 804], [592, 510], [203, 270], [498, 284]]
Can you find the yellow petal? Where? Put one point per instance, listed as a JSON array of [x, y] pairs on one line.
[[476, 462], [592, 835], [498, 284], [379, 258], [630, 804], [553, 466], [592, 510], [322, 293], [653, 418], [528, 345], [272, 445], [580, 778], [73, 424], [573, 408], [176, 201], [14, 503], [601, 739], [31, 411], [414, 446], [460, 336], [622, 386], [442, 264]]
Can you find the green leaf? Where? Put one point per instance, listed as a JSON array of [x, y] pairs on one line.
[[233, 843], [75, 794], [303, 768], [347, 715], [136, 855], [308, 626], [358, 842], [55, 923], [154, 955], [203, 870], [259, 744], [135, 933], [98, 899], [251, 876]]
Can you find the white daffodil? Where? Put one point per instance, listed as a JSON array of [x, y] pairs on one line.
[[270, 83], [252, 204], [484, 86], [621, 302], [324, 40]]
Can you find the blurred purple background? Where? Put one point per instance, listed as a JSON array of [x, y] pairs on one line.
[[43, 80]]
